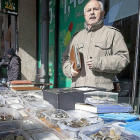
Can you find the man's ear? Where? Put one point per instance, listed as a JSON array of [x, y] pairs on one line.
[[103, 12]]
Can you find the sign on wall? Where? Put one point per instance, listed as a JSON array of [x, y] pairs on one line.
[[9, 7]]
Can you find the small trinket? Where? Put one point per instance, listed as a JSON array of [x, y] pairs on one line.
[[59, 115], [2, 105], [112, 134], [77, 123], [10, 137], [20, 138], [6, 117]]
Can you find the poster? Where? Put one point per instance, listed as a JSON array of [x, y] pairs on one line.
[[71, 20]]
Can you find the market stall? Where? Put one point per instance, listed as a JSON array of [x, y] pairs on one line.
[[25, 114]]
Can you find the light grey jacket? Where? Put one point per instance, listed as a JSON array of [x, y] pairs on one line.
[[109, 53]]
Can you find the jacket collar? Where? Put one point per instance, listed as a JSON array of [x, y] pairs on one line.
[[10, 58], [95, 26]]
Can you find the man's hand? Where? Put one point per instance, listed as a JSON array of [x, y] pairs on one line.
[[73, 72], [5, 63], [89, 63]]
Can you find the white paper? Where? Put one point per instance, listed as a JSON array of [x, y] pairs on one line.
[[31, 124], [85, 89], [17, 106], [23, 114], [45, 136], [5, 95], [12, 101], [81, 113]]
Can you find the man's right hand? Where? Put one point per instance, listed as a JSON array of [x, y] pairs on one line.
[[73, 72]]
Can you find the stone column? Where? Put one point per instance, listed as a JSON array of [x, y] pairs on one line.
[[26, 23]]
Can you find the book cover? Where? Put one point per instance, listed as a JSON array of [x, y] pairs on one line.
[[104, 108], [75, 57]]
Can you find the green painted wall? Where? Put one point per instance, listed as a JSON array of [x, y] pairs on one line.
[[51, 40], [71, 20]]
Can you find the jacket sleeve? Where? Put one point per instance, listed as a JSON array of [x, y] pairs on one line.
[[66, 65], [15, 68], [116, 62]]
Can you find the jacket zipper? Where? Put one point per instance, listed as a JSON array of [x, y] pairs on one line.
[[86, 80]]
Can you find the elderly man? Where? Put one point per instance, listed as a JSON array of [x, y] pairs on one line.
[[102, 48], [14, 66]]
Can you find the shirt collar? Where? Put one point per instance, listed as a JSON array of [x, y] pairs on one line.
[[95, 26]]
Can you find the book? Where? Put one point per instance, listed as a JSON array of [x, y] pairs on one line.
[[14, 89], [86, 107], [75, 57], [21, 85], [104, 108], [20, 82]]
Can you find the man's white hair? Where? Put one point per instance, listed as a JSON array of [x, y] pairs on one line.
[[101, 5]]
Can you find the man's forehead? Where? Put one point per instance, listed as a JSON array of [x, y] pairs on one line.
[[93, 3]]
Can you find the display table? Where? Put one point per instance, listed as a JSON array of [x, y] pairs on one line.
[[36, 121]]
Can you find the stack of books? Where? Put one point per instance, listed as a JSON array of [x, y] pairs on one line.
[[103, 102]]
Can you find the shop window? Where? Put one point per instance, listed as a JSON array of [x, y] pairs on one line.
[[123, 14]]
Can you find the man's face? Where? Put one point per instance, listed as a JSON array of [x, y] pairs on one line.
[[9, 56], [93, 13]]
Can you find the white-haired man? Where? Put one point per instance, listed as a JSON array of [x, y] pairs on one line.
[[103, 51]]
